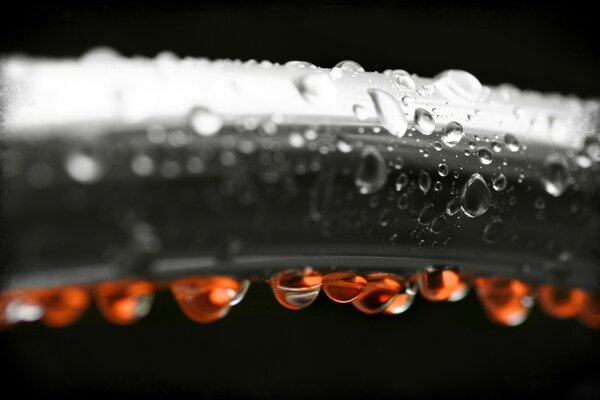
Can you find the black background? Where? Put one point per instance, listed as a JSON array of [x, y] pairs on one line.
[[327, 350]]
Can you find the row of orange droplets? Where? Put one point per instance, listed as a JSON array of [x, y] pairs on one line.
[[208, 298]]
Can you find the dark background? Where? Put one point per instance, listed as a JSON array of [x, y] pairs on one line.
[[328, 350]]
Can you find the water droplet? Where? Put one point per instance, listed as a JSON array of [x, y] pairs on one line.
[[401, 302], [458, 85], [506, 301], [296, 289], [453, 133], [343, 287], [460, 292], [493, 231], [475, 197], [438, 224], [485, 156], [349, 66], [124, 302], [437, 146], [453, 206], [427, 214], [403, 202], [499, 183], [560, 302], [437, 283], [343, 146], [438, 186], [83, 167], [402, 79], [424, 121], [317, 89], [401, 181], [204, 122], [443, 169], [360, 112], [371, 173], [512, 143], [556, 175], [389, 112], [378, 294], [424, 181], [63, 306], [300, 64], [497, 147], [206, 299]]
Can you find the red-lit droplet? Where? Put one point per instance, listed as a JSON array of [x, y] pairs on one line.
[[62, 306], [460, 292], [378, 294], [296, 289], [506, 301], [205, 299], [438, 283], [589, 315], [343, 287], [560, 302], [400, 303], [124, 302]]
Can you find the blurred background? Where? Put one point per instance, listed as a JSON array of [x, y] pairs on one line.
[[327, 350]]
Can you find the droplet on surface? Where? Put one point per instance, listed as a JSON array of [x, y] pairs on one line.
[[475, 196], [512, 143], [389, 111], [371, 172], [83, 167], [556, 175], [493, 231], [453, 206], [452, 134], [401, 181], [424, 181], [497, 147], [206, 299], [360, 112], [560, 302], [296, 289], [505, 301], [343, 287], [485, 156], [458, 85], [63, 306], [499, 182], [300, 64], [424, 121], [403, 80], [378, 294], [443, 169], [400, 303], [317, 88], [349, 66], [124, 302], [427, 214], [438, 283]]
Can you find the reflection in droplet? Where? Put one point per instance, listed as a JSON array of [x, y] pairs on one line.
[[485, 156], [506, 301], [452, 134], [458, 85], [371, 173], [556, 175], [389, 112], [499, 183], [349, 66], [475, 197], [438, 283], [424, 121], [443, 169], [343, 287], [378, 294], [512, 143], [296, 289], [124, 302], [560, 302]]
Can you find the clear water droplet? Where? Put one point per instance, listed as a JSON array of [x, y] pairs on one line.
[[499, 183], [403, 80], [443, 169], [493, 231], [458, 85], [438, 224], [427, 214], [497, 147], [556, 175], [452, 134], [317, 88], [371, 173], [512, 143], [401, 181], [475, 196], [295, 289], [389, 111], [453, 206], [424, 121], [360, 112], [485, 156], [378, 294], [349, 66], [424, 181]]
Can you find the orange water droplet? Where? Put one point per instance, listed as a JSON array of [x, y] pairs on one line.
[[206, 299], [343, 287], [296, 289], [438, 283], [124, 302], [378, 294], [62, 306], [400, 303], [560, 302], [589, 315], [506, 301], [460, 292]]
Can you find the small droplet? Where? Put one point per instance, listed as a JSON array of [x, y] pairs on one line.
[[403, 202], [83, 167], [349, 66], [499, 183], [389, 112], [453, 133], [296, 140], [296, 289], [497, 147], [378, 294], [506, 301], [475, 197], [124, 302], [493, 231], [371, 173], [402, 79], [360, 112], [204, 122], [343, 146], [438, 186], [424, 181], [561, 302], [485, 156], [512, 143], [424, 121], [206, 299], [343, 287], [458, 85], [438, 283], [401, 181], [443, 169], [317, 89], [300, 64], [556, 175]]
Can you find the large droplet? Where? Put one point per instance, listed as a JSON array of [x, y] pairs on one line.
[[378, 294], [317, 88], [343, 287], [438, 283], [206, 299], [424, 121], [63, 306], [506, 301], [204, 122], [124, 302], [452, 134], [561, 302], [371, 173], [475, 197], [296, 289], [389, 111], [556, 175], [349, 66], [458, 85]]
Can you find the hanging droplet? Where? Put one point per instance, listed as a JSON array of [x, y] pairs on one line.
[[371, 173], [206, 299], [458, 85], [589, 315], [475, 197], [506, 301], [460, 292], [560, 302], [124, 302], [349, 66], [400, 303], [343, 287], [296, 289], [556, 176], [63, 306], [452, 134], [316, 88], [438, 283], [424, 121], [378, 294], [204, 122], [389, 111], [241, 293], [499, 183]]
